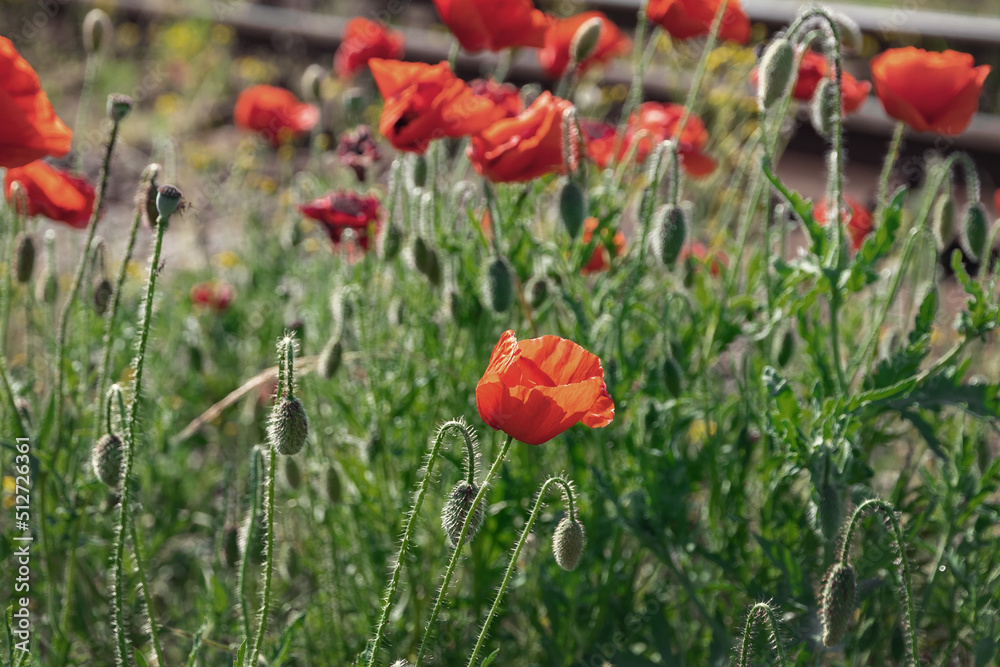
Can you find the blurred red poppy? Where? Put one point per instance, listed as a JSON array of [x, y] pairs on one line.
[[505, 96], [356, 148], [524, 147], [554, 56], [54, 193], [216, 296], [425, 102], [599, 259], [493, 25], [275, 113], [859, 222], [340, 211], [533, 390], [30, 129], [684, 19], [930, 92], [715, 261], [364, 40]]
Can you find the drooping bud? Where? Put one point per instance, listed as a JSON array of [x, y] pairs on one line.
[[585, 39], [330, 358], [457, 509], [102, 294], [837, 602], [231, 544], [672, 376], [567, 543], [119, 107], [288, 427], [943, 219], [50, 281], [572, 208], [669, 233], [293, 474], [497, 286], [975, 231], [24, 257], [106, 459], [392, 241], [830, 511], [419, 172], [537, 290], [775, 73], [334, 488], [426, 260], [786, 347], [168, 198], [312, 82], [97, 31], [824, 110]]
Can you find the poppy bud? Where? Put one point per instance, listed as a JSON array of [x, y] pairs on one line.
[[102, 294], [776, 68], [585, 39], [231, 544], [457, 509], [975, 229], [168, 198], [330, 358], [672, 376], [670, 233], [537, 291], [567, 543], [787, 347], [119, 107], [312, 82], [943, 219], [824, 110], [293, 474], [498, 289], [50, 288], [392, 241], [572, 208], [106, 459], [334, 488], [837, 602], [830, 511], [426, 260], [145, 196], [97, 31], [354, 102], [288, 427], [419, 172], [24, 257]]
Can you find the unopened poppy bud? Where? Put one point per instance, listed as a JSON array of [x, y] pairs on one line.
[[312, 82], [457, 509], [824, 110], [572, 208], [102, 294], [119, 107], [392, 241], [97, 31], [672, 377], [585, 39], [354, 102], [50, 288], [330, 358], [419, 170], [975, 229], [943, 219], [567, 543], [168, 198], [231, 544], [537, 291], [498, 289], [334, 488], [786, 347], [293, 474], [837, 602], [106, 459], [426, 260], [24, 257], [289, 427], [830, 511], [775, 72], [670, 232]]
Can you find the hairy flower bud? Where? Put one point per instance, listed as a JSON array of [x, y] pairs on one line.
[[572, 208], [943, 219], [786, 347], [119, 107], [231, 544], [334, 488], [97, 31], [293, 474], [567, 543], [106, 459], [776, 68], [537, 291], [830, 511], [585, 39], [975, 231], [672, 377], [824, 112], [669, 233], [312, 82], [497, 286], [24, 257], [837, 602], [102, 294], [288, 427], [457, 509], [426, 260], [392, 241], [330, 358]]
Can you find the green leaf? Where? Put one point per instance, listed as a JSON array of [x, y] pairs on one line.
[[140, 659], [287, 637], [490, 658], [241, 654]]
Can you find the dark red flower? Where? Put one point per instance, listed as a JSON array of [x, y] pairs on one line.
[[684, 19], [493, 25], [339, 211], [505, 96], [273, 112], [533, 390], [54, 193], [356, 148], [364, 40], [30, 129], [930, 92], [554, 57], [859, 222], [599, 259], [216, 296]]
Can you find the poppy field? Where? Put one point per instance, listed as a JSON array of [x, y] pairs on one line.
[[371, 361]]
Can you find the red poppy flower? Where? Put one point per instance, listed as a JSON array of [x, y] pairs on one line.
[[53, 193], [505, 96], [554, 57], [684, 19], [716, 261], [493, 25], [425, 102], [859, 224], [273, 112], [216, 296], [533, 390], [356, 148], [364, 40], [524, 147], [853, 93], [599, 259], [30, 129], [339, 211], [930, 92]]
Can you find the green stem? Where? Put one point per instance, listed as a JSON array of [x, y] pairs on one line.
[[7, 285], [568, 493], [404, 544], [265, 604], [146, 596], [883, 181], [638, 64], [456, 552], [761, 612], [250, 537]]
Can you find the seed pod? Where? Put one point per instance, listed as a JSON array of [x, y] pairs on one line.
[[106, 459], [168, 198], [824, 111], [119, 107], [775, 72], [457, 509], [97, 31], [497, 286], [330, 358], [943, 219], [830, 511], [24, 257], [231, 544], [975, 229], [670, 232], [567, 543], [293, 474], [787, 347], [426, 260], [837, 602], [102, 295], [392, 242], [572, 208], [288, 427], [585, 39], [334, 488]]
